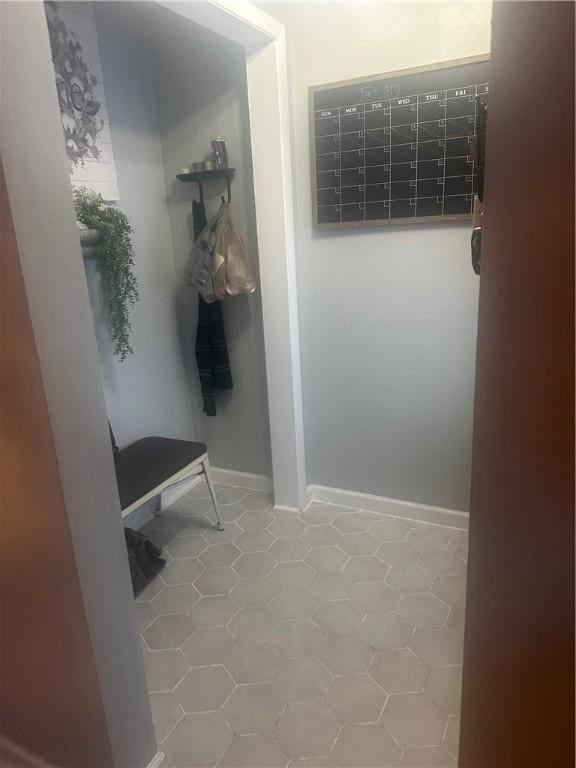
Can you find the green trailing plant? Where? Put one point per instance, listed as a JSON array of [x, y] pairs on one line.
[[116, 259]]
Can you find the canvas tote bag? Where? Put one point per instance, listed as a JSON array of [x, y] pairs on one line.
[[232, 273]]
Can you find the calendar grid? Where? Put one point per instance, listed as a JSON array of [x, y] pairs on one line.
[[416, 161], [444, 158], [397, 158], [364, 177]]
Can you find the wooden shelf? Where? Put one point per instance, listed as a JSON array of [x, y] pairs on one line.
[[216, 173]]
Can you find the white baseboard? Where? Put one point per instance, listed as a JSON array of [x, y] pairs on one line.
[[139, 517], [172, 495], [219, 475], [411, 510], [156, 760], [396, 507], [243, 479], [296, 510]]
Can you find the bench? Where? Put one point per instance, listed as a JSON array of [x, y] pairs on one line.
[[152, 465]]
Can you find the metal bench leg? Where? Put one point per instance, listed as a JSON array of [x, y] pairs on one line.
[[158, 505], [207, 475]]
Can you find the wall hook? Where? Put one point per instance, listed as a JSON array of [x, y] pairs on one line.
[[201, 176]]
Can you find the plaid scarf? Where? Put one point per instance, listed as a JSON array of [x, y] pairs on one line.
[[211, 349]]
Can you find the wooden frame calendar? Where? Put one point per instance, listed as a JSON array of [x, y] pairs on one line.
[[395, 148]]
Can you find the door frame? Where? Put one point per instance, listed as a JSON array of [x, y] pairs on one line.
[[39, 192]]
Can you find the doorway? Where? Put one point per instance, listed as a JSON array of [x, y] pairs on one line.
[[349, 537], [57, 294]]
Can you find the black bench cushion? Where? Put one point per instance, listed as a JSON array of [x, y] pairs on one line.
[[149, 462]]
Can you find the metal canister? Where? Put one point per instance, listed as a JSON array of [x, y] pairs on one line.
[[219, 152]]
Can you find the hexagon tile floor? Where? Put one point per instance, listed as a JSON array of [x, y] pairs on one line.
[[328, 638]]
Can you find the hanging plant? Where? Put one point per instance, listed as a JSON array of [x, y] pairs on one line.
[[116, 259]]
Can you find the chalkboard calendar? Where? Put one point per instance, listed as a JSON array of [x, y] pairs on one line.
[[395, 148]]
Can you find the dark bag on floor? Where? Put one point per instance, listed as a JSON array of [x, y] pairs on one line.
[[144, 556]]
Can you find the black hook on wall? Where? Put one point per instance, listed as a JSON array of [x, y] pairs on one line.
[[201, 176]]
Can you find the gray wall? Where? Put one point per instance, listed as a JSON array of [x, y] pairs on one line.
[[147, 393], [201, 94], [166, 99], [387, 316]]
